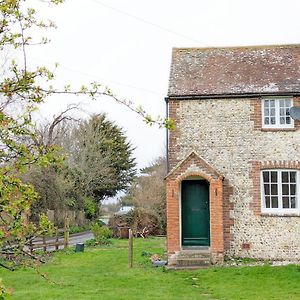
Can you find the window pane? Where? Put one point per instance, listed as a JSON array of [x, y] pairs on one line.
[[285, 189], [266, 176], [272, 103], [274, 201], [267, 121], [293, 189], [266, 103], [266, 111], [273, 176], [288, 120], [267, 202], [285, 202], [282, 112], [285, 177], [282, 120], [293, 202], [272, 120], [282, 103], [272, 112], [274, 189], [267, 189], [292, 176]]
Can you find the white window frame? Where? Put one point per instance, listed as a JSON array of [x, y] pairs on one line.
[[277, 113], [280, 210]]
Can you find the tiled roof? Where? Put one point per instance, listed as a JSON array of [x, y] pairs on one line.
[[235, 71]]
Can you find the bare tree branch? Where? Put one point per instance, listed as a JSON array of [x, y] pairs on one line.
[[58, 120]]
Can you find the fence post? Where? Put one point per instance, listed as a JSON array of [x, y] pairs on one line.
[[130, 249], [56, 238], [67, 228], [44, 243]]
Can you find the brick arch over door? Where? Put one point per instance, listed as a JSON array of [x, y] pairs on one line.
[[194, 165]]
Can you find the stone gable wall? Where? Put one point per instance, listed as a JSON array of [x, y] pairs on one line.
[[227, 134]]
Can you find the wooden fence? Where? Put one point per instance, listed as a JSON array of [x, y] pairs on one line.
[[53, 241]]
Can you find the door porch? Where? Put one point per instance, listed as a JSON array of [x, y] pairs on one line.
[[194, 167]]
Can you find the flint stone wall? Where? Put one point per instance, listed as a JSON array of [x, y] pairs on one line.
[[223, 133]]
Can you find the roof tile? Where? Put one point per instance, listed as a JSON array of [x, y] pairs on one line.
[[238, 70]]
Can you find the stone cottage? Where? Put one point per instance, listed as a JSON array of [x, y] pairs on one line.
[[234, 158]]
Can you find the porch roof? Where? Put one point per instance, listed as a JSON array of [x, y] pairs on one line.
[[194, 159]]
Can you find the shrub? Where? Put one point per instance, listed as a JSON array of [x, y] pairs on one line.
[[91, 242], [101, 233], [78, 229], [90, 208]]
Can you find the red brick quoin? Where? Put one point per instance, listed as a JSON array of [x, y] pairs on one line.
[[194, 165]]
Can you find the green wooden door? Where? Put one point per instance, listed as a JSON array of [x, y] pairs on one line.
[[195, 213]]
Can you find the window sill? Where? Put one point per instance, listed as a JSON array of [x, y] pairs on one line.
[[278, 129], [264, 214]]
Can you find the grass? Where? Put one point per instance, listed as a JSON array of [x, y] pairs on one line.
[[103, 273]]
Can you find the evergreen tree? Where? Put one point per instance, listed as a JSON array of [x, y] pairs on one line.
[[101, 157]]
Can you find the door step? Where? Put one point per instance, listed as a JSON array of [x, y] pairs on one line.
[[190, 259], [194, 253], [185, 267]]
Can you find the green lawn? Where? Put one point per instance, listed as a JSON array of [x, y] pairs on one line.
[[102, 273]]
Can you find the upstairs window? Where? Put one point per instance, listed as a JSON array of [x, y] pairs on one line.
[[276, 113], [280, 191]]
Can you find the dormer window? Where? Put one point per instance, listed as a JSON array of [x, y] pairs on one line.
[[276, 112]]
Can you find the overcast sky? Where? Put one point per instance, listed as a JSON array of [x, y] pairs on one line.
[[126, 45]]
